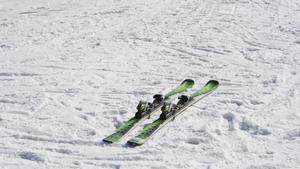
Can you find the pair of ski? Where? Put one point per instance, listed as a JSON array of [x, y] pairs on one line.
[[169, 111]]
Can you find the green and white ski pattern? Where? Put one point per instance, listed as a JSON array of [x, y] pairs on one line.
[[156, 125], [130, 124]]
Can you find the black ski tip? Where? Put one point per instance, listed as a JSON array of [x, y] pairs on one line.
[[188, 81], [213, 82]]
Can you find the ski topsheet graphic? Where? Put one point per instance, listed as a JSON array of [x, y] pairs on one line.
[[146, 109], [170, 111]]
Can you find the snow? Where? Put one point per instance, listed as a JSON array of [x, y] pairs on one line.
[[72, 71]]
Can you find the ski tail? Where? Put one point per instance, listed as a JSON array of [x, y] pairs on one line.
[[146, 133], [121, 131], [186, 84]]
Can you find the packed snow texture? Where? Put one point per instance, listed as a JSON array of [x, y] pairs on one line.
[[72, 71]]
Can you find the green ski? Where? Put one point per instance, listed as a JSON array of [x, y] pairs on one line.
[[146, 109], [170, 111]]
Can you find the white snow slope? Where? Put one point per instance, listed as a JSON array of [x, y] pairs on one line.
[[72, 71]]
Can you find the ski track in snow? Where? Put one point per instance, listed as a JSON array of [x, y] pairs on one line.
[[72, 71]]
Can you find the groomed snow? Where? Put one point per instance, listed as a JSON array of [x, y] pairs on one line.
[[72, 71]]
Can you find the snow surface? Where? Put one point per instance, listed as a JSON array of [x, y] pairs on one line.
[[72, 71]]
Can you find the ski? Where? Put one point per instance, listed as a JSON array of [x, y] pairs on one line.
[[146, 109], [170, 111]]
